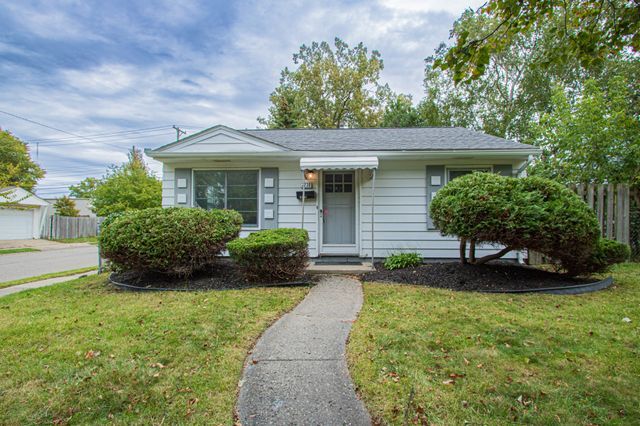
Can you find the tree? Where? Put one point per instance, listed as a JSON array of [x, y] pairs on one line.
[[130, 186], [65, 206], [16, 166], [586, 30], [331, 88], [85, 188], [400, 112], [594, 138]]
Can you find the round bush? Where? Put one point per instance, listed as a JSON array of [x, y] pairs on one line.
[[526, 213], [175, 240], [273, 255], [606, 253]]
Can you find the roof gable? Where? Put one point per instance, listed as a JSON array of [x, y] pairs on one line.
[[20, 197], [220, 139]]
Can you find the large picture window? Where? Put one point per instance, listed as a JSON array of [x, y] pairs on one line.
[[457, 172], [228, 189]]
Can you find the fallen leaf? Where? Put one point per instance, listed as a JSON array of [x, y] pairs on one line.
[[91, 354], [466, 361], [448, 382]]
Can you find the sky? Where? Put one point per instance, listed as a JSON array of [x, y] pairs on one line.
[[106, 75]]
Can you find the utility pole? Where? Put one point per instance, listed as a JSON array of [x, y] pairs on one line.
[[179, 132]]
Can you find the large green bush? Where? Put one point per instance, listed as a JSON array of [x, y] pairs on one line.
[[174, 240], [606, 253], [527, 213], [273, 255]]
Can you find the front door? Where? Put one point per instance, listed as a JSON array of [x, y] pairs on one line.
[[339, 213]]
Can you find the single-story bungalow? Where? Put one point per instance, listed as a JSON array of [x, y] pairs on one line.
[[359, 192], [22, 214]]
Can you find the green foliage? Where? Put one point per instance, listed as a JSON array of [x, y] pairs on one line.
[[176, 241], [594, 139], [85, 188], [528, 213], [400, 112], [331, 88], [273, 255], [585, 30], [606, 254], [130, 186], [65, 206], [402, 260], [16, 166]]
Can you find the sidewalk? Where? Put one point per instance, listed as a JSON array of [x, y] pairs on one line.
[[44, 283]]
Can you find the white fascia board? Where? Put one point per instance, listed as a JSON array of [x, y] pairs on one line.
[[510, 153]]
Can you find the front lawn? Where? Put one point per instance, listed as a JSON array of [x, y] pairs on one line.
[[456, 357], [80, 352]]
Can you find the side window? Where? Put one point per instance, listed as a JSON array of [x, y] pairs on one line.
[[456, 173]]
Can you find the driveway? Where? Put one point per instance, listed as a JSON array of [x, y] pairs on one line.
[[54, 257]]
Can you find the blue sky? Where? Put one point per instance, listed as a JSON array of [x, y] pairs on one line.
[[94, 68]]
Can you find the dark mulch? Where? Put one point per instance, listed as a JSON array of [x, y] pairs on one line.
[[225, 275], [491, 276]]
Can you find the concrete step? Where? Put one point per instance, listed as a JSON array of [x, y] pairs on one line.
[[313, 268]]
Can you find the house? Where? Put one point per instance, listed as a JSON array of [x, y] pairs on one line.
[[22, 214], [357, 191], [82, 204]]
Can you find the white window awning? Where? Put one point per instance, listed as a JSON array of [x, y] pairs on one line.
[[338, 163]]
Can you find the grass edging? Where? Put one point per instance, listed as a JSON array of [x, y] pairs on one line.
[[47, 276], [570, 289], [128, 287]]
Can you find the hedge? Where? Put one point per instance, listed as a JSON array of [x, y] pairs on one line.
[[525, 213], [273, 255], [176, 241]]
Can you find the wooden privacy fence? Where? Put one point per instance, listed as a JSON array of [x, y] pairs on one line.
[[59, 227], [611, 203]]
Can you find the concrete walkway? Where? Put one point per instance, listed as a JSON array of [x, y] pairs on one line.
[[297, 373], [43, 283]]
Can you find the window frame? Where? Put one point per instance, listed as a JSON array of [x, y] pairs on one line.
[[250, 227], [472, 168]]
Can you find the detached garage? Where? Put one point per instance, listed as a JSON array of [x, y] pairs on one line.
[[21, 214]]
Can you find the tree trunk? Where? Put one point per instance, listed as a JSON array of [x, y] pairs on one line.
[[472, 251], [497, 255], [463, 250]]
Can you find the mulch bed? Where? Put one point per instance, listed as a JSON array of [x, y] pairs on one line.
[[494, 276], [225, 275]]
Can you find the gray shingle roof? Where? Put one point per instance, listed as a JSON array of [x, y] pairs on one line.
[[384, 139]]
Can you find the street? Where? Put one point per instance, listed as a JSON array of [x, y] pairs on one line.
[[23, 265]]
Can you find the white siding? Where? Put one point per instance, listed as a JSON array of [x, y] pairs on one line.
[[400, 206]]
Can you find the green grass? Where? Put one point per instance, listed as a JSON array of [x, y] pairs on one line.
[[90, 240], [83, 353], [500, 359], [17, 250], [47, 276]]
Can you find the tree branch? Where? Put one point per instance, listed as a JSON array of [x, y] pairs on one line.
[[497, 255]]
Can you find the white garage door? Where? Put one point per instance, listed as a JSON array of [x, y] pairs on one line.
[[16, 224]]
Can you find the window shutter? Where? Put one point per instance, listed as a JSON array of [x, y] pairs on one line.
[[183, 188], [269, 202], [435, 181]]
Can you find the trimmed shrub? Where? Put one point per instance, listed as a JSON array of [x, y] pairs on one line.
[[606, 253], [176, 241], [526, 213], [402, 260], [273, 255]]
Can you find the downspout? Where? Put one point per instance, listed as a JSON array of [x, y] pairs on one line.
[[518, 173], [373, 205], [303, 194]]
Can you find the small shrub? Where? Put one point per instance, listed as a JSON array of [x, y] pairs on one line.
[[402, 260], [273, 255], [175, 240], [606, 254]]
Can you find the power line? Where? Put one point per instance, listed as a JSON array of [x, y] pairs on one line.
[[56, 129], [99, 135]]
